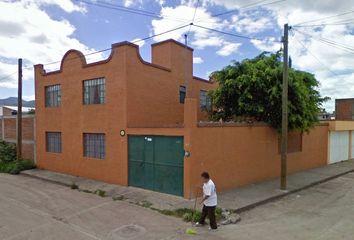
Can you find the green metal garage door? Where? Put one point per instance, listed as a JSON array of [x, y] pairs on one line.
[[156, 163]]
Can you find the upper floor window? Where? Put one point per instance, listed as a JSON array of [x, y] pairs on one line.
[[53, 142], [53, 96], [205, 100], [182, 94], [95, 91], [95, 145]]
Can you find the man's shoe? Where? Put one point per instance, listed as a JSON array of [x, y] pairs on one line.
[[197, 224], [212, 229]]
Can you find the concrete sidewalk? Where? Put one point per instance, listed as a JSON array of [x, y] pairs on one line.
[[240, 199]]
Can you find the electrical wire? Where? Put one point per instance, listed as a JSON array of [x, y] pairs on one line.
[[314, 56], [7, 76], [129, 10], [195, 12], [342, 22], [231, 34], [251, 5], [329, 42], [136, 41], [324, 18]]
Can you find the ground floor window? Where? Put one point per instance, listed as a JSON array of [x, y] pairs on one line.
[[53, 142], [95, 145]]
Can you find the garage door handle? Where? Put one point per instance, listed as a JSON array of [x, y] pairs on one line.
[[141, 164]]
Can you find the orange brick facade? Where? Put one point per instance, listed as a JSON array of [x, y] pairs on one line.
[[143, 99], [8, 133]]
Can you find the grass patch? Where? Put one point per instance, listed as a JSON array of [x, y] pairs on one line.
[[100, 192], [15, 167], [187, 214], [74, 186], [145, 204], [118, 198], [86, 191]]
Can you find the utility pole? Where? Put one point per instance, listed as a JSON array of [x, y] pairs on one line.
[[284, 124], [19, 111]]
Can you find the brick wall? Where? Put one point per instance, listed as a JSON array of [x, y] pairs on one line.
[[344, 109], [8, 133]]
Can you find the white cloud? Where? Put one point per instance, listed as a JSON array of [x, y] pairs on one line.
[[129, 3], [248, 23], [139, 42], [28, 98], [268, 44], [197, 60], [66, 5], [198, 37], [228, 48], [28, 32]]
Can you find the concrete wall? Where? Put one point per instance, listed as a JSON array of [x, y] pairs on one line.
[[341, 141], [8, 133], [239, 155]]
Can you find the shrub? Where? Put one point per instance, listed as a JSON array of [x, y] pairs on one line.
[[15, 167], [7, 152], [191, 217]]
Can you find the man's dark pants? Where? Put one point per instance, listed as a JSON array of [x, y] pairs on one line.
[[210, 212]]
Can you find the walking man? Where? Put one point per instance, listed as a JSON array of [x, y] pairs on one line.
[[209, 202]]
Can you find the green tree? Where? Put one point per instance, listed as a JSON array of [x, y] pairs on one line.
[[253, 88]]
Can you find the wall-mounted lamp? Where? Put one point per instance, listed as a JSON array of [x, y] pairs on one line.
[[122, 133], [187, 154]]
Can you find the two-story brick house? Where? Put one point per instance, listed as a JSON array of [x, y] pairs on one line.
[[84, 113]]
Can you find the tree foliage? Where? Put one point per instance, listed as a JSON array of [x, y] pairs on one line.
[[253, 88]]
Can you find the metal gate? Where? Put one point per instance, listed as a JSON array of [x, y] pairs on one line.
[[156, 163]]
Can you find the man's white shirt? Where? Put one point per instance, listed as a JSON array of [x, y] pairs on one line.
[[210, 190]]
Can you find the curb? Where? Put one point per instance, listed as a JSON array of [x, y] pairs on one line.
[[238, 210], [282, 195], [45, 179]]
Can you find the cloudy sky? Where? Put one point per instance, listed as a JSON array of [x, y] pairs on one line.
[[41, 31]]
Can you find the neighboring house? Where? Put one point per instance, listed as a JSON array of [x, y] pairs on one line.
[[8, 131], [325, 116], [12, 110], [345, 109]]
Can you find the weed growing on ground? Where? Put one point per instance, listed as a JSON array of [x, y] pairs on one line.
[[118, 198], [187, 214], [145, 204], [74, 186], [100, 192], [86, 191]]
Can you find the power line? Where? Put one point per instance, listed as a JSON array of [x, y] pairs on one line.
[[329, 42], [251, 5], [342, 22], [195, 12], [129, 10], [313, 55], [136, 41], [230, 34], [328, 17], [7, 76]]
